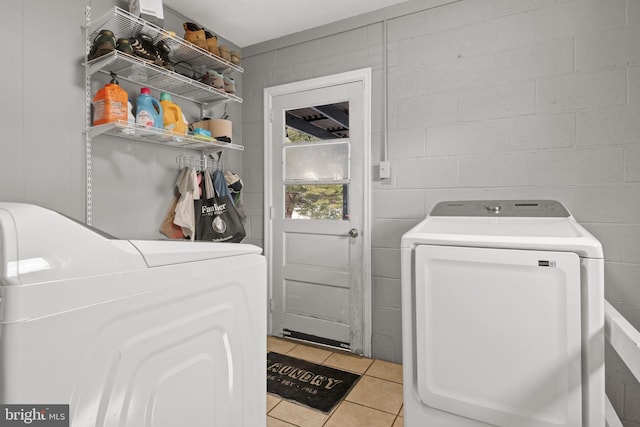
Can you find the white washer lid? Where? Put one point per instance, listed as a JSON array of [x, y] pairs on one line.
[[520, 231], [166, 252], [40, 245]]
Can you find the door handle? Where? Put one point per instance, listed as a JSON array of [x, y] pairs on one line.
[[354, 232]]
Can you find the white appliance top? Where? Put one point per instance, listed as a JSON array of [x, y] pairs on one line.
[[40, 245], [512, 224], [165, 252], [502, 208]]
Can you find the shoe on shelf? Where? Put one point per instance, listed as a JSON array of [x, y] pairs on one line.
[[147, 44], [143, 48], [124, 46], [140, 51], [212, 42], [235, 57], [225, 52], [104, 43], [163, 49], [195, 34], [229, 85], [215, 79]]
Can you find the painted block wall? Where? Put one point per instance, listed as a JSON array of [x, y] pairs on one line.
[[488, 99], [493, 99], [42, 104]]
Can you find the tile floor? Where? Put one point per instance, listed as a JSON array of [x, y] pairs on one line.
[[375, 400]]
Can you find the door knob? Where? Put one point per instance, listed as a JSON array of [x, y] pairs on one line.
[[353, 232]]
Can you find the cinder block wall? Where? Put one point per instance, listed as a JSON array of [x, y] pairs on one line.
[[489, 99]]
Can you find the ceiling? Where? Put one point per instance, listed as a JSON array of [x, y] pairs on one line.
[[247, 22]]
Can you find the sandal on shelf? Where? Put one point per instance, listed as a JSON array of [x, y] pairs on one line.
[[104, 43]]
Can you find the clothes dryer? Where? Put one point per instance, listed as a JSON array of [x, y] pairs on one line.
[[503, 317], [129, 332]]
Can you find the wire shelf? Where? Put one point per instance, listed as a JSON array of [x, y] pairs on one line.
[[159, 136], [123, 25], [138, 71]]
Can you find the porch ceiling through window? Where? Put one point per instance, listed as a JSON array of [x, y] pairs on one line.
[[323, 122]]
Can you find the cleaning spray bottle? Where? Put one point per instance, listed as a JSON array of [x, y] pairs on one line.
[[110, 103], [148, 109], [171, 114]]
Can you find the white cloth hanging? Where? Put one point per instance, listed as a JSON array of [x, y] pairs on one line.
[[184, 215]]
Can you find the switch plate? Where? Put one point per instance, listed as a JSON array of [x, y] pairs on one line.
[[385, 169]]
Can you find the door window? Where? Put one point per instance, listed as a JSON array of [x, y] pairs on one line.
[[316, 162]]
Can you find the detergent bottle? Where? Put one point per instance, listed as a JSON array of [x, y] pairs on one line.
[[171, 114], [148, 109], [110, 103]]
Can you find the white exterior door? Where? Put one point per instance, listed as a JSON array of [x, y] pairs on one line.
[[317, 239]]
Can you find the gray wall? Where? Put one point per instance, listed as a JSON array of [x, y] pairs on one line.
[[487, 99], [42, 112]]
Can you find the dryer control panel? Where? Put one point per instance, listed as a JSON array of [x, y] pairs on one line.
[[501, 208]]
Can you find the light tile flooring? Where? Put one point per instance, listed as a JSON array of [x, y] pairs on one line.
[[375, 400]]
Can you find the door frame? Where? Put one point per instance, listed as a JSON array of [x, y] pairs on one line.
[[364, 77]]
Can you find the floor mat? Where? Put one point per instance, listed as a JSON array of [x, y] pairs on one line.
[[316, 386]]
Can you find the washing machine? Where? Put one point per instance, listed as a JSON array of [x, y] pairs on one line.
[[503, 317], [129, 332]]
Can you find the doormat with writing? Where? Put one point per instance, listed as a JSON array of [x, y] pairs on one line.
[[316, 386]]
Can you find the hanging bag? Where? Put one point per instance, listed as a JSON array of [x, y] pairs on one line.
[[216, 217]]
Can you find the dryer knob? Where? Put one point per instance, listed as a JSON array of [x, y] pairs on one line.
[[494, 208]]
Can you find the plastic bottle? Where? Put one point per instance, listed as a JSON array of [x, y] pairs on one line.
[[110, 103], [148, 109], [171, 114]]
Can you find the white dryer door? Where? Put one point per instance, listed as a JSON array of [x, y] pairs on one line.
[[498, 334]]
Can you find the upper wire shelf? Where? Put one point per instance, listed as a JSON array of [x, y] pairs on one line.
[[134, 69], [123, 25]]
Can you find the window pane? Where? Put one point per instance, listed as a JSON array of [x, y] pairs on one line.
[[317, 162], [317, 201], [320, 122], [294, 135]]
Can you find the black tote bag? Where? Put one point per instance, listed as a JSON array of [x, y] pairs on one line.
[[216, 217]]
